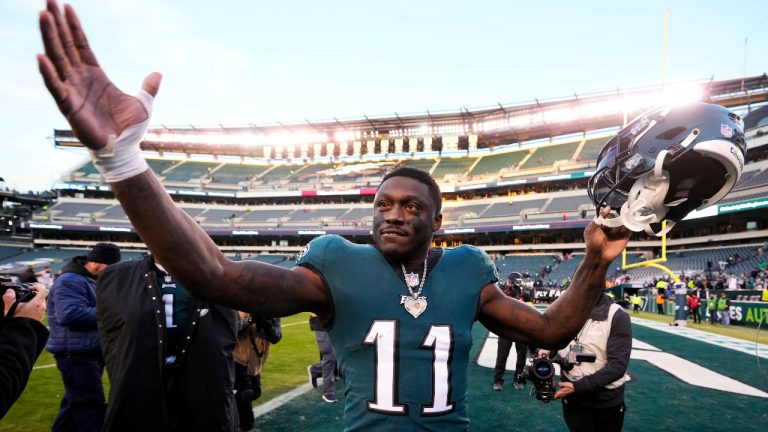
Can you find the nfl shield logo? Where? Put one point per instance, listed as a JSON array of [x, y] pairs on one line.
[[412, 279], [726, 130]]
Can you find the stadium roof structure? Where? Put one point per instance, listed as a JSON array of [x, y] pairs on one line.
[[465, 129]]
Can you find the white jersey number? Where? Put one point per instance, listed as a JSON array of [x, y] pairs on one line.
[[168, 300], [383, 335]]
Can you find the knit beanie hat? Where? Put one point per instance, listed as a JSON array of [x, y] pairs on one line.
[[105, 253]]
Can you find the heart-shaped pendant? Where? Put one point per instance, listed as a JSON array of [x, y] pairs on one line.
[[414, 306]]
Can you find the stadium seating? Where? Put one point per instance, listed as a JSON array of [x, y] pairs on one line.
[[495, 162], [76, 209], [449, 168], [512, 207], [160, 165], [591, 149], [235, 174], [546, 156], [188, 171], [277, 173], [422, 164]]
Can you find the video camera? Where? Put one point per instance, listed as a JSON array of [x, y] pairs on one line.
[[541, 371], [23, 291]]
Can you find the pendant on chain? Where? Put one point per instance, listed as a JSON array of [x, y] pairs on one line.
[[414, 305]]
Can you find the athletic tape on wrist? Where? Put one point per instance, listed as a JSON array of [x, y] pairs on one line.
[[121, 157]]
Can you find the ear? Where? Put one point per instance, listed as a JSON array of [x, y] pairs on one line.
[[438, 222]]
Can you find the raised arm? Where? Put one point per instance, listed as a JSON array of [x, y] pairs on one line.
[[111, 124], [565, 317]]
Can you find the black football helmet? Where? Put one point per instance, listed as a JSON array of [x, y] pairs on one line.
[[667, 163], [515, 280]]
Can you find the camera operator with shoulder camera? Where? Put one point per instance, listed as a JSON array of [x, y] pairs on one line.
[[593, 392], [22, 337]]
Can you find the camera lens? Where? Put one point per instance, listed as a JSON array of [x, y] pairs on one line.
[[543, 369]]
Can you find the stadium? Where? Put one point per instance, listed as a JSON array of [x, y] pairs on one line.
[[514, 183]]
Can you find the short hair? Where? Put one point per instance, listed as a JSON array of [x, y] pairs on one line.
[[422, 177]]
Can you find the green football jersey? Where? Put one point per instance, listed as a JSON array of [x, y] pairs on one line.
[[401, 373]]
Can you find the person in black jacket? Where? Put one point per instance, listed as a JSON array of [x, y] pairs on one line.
[[22, 339], [168, 355], [593, 392]]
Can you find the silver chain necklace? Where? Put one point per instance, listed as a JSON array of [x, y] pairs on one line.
[[415, 304]]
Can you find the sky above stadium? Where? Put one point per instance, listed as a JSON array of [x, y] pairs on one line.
[[238, 62]]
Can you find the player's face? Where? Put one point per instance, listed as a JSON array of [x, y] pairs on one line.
[[404, 218]]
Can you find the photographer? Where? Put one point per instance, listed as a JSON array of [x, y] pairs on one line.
[[22, 339], [593, 393], [255, 334]]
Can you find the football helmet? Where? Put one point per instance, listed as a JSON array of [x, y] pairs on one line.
[[515, 279], [667, 163]]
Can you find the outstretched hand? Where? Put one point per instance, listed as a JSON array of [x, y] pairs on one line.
[[603, 242], [93, 105]]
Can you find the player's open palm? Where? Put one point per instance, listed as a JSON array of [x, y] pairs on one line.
[[93, 105]]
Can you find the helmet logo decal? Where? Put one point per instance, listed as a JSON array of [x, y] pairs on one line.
[[633, 161], [302, 252], [726, 130], [738, 157], [641, 124]]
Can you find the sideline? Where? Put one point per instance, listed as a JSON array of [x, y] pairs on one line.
[[280, 400], [746, 347]]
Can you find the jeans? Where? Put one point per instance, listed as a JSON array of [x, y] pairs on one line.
[[83, 406]]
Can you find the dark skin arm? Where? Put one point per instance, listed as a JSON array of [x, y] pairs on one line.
[[96, 109], [561, 322]]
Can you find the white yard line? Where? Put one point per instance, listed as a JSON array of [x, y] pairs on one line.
[[740, 345]]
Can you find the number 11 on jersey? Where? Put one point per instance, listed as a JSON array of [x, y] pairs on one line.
[[383, 336]]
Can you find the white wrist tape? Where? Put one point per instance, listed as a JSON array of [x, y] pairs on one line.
[[121, 157]]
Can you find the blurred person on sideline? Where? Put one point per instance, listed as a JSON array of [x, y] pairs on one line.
[[22, 339], [45, 277], [325, 368], [74, 340], [693, 306], [712, 308], [724, 309], [660, 303], [168, 355], [513, 289], [254, 337], [395, 305]]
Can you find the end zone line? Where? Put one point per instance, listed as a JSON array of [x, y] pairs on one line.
[[280, 400]]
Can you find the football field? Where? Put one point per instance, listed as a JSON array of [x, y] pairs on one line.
[[682, 379]]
